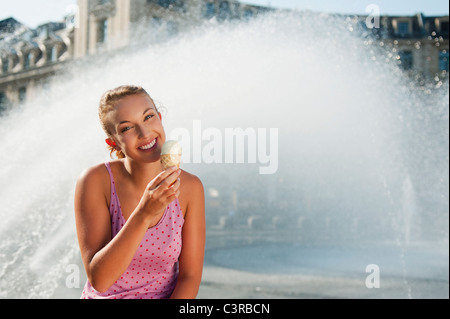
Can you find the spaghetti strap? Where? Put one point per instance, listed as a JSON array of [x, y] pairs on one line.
[[108, 167], [114, 199]]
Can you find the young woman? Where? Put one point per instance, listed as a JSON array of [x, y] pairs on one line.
[[141, 229]]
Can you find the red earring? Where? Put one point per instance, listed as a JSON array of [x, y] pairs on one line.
[[110, 143]]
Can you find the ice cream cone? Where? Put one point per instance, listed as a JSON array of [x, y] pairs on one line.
[[171, 154], [169, 160]]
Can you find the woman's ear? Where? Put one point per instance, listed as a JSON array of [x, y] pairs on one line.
[[111, 143], [160, 116]]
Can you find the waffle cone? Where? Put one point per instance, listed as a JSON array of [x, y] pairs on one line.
[[169, 160]]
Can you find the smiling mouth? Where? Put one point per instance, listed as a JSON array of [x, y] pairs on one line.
[[148, 146]]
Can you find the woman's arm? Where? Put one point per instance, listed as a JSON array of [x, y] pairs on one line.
[[105, 259], [193, 241]]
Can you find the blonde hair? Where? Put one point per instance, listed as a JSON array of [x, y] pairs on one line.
[[108, 103]]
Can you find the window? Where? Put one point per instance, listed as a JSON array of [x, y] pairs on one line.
[[27, 61], [403, 28], [171, 3], [248, 14], [406, 60], [43, 31], [210, 10], [164, 3], [5, 65], [22, 94], [2, 102], [102, 31], [444, 27], [224, 10], [443, 60], [52, 54]]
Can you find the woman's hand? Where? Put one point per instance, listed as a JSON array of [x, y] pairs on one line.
[[159, 193]]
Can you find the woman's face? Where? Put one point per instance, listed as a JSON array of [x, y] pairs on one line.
[[138, 129]]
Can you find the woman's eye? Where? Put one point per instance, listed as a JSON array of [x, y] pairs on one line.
[[123, 130], [148, 117]]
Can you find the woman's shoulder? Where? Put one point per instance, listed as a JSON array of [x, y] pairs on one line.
[[192, 194], [191, 180], [99, 170], [96, 174], [93, 172], [92, 184], [191, 188]]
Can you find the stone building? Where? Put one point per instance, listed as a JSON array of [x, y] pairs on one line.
[[419, 43], [112, 24], [28, 57]]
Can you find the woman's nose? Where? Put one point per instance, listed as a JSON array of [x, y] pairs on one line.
[[143, 131]]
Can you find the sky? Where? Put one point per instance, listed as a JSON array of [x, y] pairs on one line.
[[387, 7], [35, 12]]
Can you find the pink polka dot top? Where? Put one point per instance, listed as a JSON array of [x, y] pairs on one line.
[[153, 272]]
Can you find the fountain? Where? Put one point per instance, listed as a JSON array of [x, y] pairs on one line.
[[361, 176]]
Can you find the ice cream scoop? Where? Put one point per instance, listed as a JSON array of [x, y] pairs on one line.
[[171, 154]]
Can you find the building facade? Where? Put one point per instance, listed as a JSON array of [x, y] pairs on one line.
[[28, 57], [113, 24], [419, 44]]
